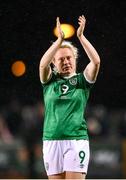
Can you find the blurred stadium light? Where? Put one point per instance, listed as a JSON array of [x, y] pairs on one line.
[[18, 68], [68, 30]]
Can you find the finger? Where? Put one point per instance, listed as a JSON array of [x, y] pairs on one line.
[[82, 22], [82, 18], [57, 19], [79, 23]]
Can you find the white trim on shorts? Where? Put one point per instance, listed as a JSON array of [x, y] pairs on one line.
[[66, 155]]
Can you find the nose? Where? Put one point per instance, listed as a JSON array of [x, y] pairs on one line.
[[65, 61]]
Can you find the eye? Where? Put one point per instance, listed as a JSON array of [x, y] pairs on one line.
[[61, 59], [68, 57]]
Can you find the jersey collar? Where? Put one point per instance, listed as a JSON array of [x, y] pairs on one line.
[[67, 77]]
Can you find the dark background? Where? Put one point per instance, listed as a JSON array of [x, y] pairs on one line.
[[26, 31]]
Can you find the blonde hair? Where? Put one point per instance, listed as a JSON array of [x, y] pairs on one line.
[[68, 44]]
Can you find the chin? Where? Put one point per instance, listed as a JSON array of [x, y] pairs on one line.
[[66, 73]]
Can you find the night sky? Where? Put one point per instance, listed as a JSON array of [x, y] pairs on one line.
[[26, 31]]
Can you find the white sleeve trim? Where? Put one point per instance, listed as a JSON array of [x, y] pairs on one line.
[[91, 82]]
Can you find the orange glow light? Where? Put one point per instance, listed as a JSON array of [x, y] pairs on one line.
[[18, 68]]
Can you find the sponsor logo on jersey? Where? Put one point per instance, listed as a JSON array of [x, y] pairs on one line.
[[81, 165]]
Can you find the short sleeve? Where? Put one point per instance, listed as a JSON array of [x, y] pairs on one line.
[[83, 83], [51, 79]]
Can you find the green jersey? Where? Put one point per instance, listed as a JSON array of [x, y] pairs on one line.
[[65, 101]]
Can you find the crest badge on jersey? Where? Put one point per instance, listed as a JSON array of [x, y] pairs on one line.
[[73, 81]]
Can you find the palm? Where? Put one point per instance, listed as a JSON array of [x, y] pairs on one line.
[[59, 30], [81, 22]]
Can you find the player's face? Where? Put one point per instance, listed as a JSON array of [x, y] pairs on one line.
[[65, 61]]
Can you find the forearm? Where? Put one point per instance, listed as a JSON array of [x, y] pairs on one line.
[[89, 49], [49, 54]]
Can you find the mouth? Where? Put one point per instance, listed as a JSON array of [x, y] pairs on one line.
[[66, 68]]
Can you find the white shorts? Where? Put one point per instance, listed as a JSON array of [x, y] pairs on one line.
[[66, 155]]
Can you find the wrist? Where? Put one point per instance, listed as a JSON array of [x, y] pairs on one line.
[[60, 39], [80, 36]]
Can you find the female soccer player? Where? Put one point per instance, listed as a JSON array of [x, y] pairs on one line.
[[65, 137]]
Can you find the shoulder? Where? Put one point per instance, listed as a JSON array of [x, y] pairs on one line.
[[83, 81]]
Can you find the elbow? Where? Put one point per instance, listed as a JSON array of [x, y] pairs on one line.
[[44, 63], [41, 66], [97, 61]]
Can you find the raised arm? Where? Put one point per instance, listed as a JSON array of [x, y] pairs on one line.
[[92, 69], [44, 67]]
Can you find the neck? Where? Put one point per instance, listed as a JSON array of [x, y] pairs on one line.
[[68, 75]]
